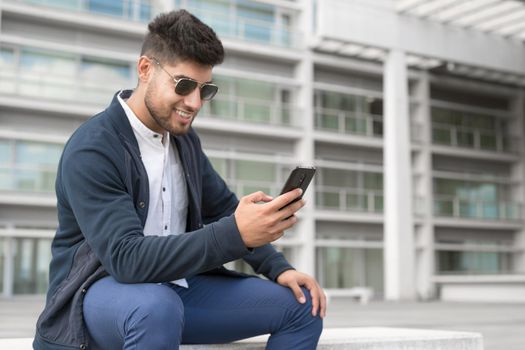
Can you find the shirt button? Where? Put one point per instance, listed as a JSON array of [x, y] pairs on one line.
[[163, 189], [166, 227], [155, 135], [142, 205]]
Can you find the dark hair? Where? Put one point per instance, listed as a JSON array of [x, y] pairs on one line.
[[180, 36]]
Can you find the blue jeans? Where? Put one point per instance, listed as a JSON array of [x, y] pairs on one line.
[[214, 309]]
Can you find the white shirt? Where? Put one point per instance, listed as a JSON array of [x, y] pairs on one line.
[[168, 196]]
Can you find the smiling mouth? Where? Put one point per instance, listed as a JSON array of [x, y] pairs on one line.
[[183, 114]]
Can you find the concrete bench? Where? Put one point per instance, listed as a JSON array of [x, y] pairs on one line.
[[365, 338]]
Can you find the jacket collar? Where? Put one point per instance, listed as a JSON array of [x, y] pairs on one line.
[[119, 120]]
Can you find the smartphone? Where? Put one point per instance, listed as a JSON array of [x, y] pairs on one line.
[[300, 177]]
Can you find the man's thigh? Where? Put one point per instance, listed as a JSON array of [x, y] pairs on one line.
[[219, 309], [113, 310]]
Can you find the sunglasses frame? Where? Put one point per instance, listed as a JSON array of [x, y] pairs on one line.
[[201, 86]]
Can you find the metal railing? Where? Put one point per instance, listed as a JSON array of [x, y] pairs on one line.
[[133, 10], [473, 138], [453, 206], [229, 24], [346, 122], [58, 88], [22, 179], [349, 199], [251, 110]]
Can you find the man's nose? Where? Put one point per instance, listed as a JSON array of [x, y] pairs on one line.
[[193, 99]]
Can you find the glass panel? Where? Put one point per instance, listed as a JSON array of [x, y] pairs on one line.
[[488, 142], [107, 7], [46, 74], [35, 153], [350, 267], [31, 263], [336, 266], [443, 208], [5, 152], [24, 279], [441, 136], [7, 70], [254, 171], [2, 258], [473, 262], [465, 138], [115, 75], [328, 200], [255, 20], [220, 166], [374, 269]]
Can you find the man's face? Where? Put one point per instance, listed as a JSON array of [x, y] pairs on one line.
[[170, 111]]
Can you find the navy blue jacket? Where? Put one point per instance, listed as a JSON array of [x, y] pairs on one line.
[[102, 198]]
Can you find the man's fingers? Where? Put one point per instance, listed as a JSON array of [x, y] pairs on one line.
[[298, 292], [258, 196], [323, 302], [284, 199]]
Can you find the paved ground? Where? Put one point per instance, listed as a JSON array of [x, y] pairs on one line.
[[502, 325]]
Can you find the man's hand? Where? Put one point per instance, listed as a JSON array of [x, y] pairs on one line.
[[294, 280], [264, 223]]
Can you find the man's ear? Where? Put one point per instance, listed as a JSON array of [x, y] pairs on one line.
[[144, 69]]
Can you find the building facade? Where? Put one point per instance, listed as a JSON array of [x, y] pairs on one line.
[[415, 127]]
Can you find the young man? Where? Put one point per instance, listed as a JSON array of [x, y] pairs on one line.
[[145, 223]]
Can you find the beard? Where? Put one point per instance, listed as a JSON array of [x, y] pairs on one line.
[[163, 116]]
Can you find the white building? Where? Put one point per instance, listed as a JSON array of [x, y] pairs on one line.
[[411, 110]]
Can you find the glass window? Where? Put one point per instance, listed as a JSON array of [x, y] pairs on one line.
[[255, 20], [220, 166], [107, 7], [115, 75], [7, 70], [2, 258], [46, 74], [31, 263], [254, 171], [343, 268], [37, 153], [5, 152], [473, 262]]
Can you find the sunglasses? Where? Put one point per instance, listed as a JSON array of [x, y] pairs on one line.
[[185, 86]]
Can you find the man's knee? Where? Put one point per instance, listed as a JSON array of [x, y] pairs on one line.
[[160, 308], [158, 320], [302, 313]]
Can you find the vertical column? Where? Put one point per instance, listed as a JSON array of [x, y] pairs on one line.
[[518, 177], [304, 148], [423, 196], [398, 226]]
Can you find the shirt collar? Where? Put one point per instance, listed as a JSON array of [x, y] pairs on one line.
[[136, 123]]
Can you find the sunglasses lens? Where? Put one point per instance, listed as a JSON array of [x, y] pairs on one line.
[[208, 91], [185, 86]]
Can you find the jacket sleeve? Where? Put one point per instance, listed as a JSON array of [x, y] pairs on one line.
[[219, 202], [93, 184]]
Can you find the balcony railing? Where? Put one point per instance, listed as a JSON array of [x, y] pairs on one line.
[[22, 179], [250, 110], [230, 25], [66, 88], [478, 139], [349, 199], [345, 122], [133, 10], [244, 187], [453, 206]]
